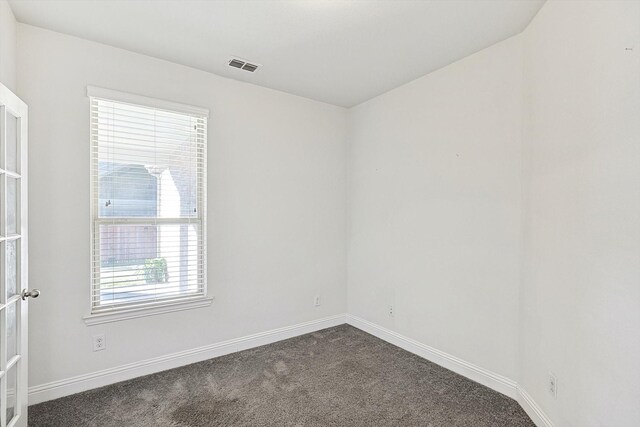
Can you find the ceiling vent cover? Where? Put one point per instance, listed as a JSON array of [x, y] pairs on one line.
[[243, 65]]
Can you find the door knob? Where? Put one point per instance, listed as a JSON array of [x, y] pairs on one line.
[[27, 293]]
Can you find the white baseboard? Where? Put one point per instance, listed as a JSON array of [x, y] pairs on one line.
[[499, 383], [56, 389], [483, 376], [532, 409]]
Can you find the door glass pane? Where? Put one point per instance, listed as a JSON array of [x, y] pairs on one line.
[[12, 331], [11, 279], [12, 381], [12, 205], [12, 143]]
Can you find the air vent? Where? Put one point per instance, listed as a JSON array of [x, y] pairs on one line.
[[236, 63], [250, 67], [243, 65]]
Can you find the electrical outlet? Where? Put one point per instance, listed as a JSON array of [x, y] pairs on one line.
[[316, 301], [553, 385], [390, 311], [99, 342]]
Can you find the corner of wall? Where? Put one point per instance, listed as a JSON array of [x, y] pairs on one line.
[[7, 46]]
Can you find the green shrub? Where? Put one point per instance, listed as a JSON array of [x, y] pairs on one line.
[[155, 270]]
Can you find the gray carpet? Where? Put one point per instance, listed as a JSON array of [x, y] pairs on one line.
[[336, 377]]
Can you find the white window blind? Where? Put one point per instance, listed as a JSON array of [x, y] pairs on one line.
[[148, 177]]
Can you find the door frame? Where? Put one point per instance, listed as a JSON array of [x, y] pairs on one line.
[[10, 101]]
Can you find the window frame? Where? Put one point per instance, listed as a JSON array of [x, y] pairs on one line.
[[104, 314]]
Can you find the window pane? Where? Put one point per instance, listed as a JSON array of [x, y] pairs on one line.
[[147, 161], [11, 279], [12, 205], [12, 143], [146, 262], [12, 392], [12, 333]]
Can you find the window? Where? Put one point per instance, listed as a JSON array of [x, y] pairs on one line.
[[148, 182]]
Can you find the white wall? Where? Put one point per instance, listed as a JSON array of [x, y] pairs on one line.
[[494, 203], [435, 208], [580, 301], [276, 205], [7, 46]]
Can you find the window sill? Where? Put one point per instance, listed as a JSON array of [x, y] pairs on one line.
[[118, 315]]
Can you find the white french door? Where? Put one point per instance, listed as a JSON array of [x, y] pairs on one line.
[[14, 295]]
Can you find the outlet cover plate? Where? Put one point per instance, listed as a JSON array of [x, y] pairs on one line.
[[99, 342]]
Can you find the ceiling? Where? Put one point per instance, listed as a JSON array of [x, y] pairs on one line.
[[342, 52]]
